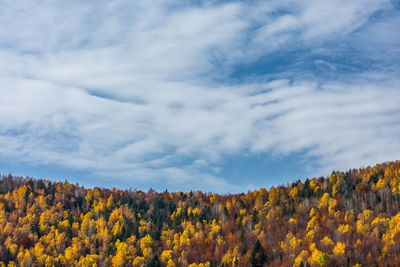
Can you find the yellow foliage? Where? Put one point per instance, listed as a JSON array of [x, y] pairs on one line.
[[122, 255], [207, 264], [147, 253], [189, 211], [291, 242], [379, 221], [344, 228], [25, 258], [332, 205], [333, 179], [392, 232], [220, 240], [213, 198], [71, 254], [110, 202], [381, 184], [367, 216], [357, 244], [327, 241], [312, 212], [272, 215], [293, 192], [177, 213], [215, 228], [294, 243], [146, 242], [310, 234], [64, 226], [273, 195], [334, 190], [88, 225], [75, 227], [312, 222], [138, 261], [283, 246], [324, 200], [228, 205], [361, 228], [90, 260], [49, 262], [339, 249], [242, 212], [318, 257], [395, 190], [349, 216], [49, 224], [13, 249], [166, 255], [144, 226], [301, 258], [171, 263], [313, 184], [168, 237], [231, 258], [195, 211], [184, 240]]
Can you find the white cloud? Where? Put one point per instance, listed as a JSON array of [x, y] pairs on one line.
[[129, 90]]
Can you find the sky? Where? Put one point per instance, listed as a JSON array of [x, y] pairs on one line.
[[219, 96]]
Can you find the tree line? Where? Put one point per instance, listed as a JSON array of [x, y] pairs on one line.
[[347, 219]]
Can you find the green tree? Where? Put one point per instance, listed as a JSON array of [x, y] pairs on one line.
[[155, 262], [258, 257]]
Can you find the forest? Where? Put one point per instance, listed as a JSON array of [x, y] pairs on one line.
[[347, 219]]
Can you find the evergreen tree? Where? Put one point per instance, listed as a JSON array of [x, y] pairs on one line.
[[258, 257], [155, 262]]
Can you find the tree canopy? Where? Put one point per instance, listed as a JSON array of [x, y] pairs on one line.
[[347, 219]]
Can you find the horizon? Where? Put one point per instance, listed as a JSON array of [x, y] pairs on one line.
[[134, 189], [217, 96]]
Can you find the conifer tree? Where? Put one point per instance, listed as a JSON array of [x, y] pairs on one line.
[[258, 257]]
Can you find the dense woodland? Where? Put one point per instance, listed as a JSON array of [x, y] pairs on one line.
[[348, 219]]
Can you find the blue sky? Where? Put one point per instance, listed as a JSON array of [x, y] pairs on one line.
[[221, 96]]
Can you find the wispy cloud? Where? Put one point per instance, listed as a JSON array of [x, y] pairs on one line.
[[147, 93]]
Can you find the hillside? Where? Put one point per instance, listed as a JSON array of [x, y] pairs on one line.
[[348, 219]]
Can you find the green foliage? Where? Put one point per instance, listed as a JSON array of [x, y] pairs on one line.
[[258, 257]]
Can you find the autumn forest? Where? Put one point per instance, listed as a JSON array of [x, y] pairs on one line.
[[350, 218]]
